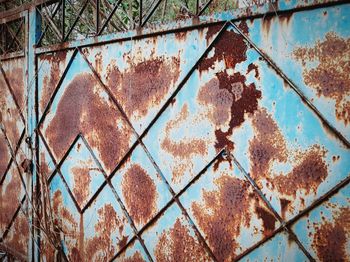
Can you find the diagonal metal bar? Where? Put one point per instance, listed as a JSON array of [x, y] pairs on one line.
[[294, 87], [50, 22], [204, 7], [148, 16], [16, 34]]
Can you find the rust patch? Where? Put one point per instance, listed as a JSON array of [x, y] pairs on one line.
[[231, 99], [223, 213], [81, 109], [15, 78], [140, 194], [267, 145], [230, 47], [51, 80], [266, 24], [268, 220], [330, 239], [331, 77], [284, 206], [101, 247], [144, 85], [82, 181], [212, 31], [136, 257], [254, 67], [307, 175], [177, 244], [243, 27]]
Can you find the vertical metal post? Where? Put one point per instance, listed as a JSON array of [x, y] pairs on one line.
[[33, 33]]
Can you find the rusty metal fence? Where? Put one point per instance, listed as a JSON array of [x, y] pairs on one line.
[[217, 138]]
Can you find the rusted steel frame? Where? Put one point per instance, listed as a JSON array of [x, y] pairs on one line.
[[115, 7], [16, 34], [47, 26], [295, 88], [76, 20], [12, 93], [264, 199], [50, 22], [8, 227], [151, 13], [46, 110], [110, 94], [205, 7], [126, 213], [25, 7]]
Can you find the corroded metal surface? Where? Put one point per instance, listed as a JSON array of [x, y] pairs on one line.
[[215, 142]]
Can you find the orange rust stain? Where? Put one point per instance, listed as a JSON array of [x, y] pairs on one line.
[[82, 181], [144, 85], [81, 109], [307, 175], [101, 247], [176, 244], [330, 239], [284, 206], [243, 27], [9, 197], [266, 25], [331, 77], [51, 79], [223, 213], [267, 145], [139, 191], [136, 257], [254, 67]]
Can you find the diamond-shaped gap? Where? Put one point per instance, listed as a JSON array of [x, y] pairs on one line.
[[81, 105], [10, 116], [143, 79], [5, 155], [14, 70], [227, 210], [82, 174], [140, 187], [52, 66], [172, 238]]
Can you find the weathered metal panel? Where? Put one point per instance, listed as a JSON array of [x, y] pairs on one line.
[[312, 49]]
